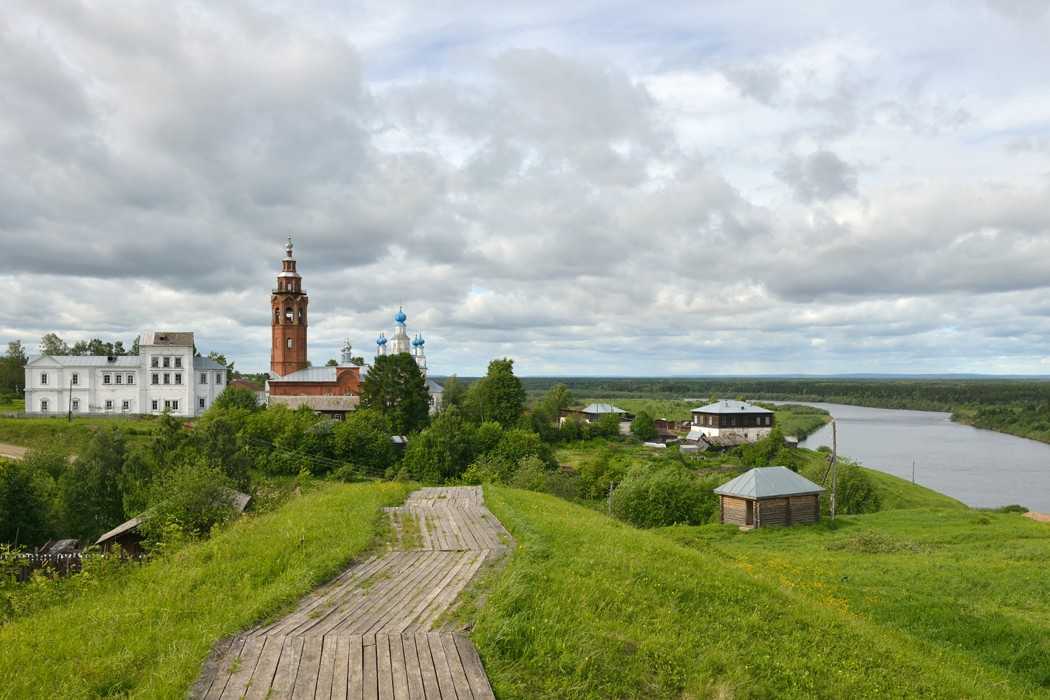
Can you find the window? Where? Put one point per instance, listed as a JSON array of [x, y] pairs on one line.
[[109, 404], [167, 362], [131, 379], [76, 379], [155, 403], [204, 378], [43, 405], [201, 402], [175, 405], [76, 404], [218, 378], [178, 378], [125, 406], [106, 379], [167, 378], [154, 361], [290, 343], [43, 378], [120, 378], [288, 315], [155, 378], [167, 405], [178, 362]]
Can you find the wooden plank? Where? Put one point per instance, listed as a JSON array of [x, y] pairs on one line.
[[426, 592], [441, 669], [340, 666], [309, 668], [369, 671], [287, 668], [398, 666], [225, 670], [356, 683], [384, 670], [262, 678], [325, 669], [479, 681], [427, 671], [412, 670], [455, 665]]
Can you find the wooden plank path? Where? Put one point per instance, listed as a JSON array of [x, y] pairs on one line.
[[367, 634]]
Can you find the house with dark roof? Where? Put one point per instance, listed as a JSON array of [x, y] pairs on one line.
[[741, 421]]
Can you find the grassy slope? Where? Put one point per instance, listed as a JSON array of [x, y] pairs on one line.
[[145, 631], [592, 608], [43, 432], [975, 582]]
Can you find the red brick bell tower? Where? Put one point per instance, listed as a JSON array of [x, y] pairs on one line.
[[288, 318]]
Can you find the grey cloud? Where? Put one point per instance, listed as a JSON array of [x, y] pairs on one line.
[[818, 177]]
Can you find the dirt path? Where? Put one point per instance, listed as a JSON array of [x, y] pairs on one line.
[[12, 451], [368, 633]]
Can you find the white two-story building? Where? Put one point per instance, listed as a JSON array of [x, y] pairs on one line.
[[164, 376]]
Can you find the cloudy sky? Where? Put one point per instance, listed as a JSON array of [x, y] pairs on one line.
[[587, 187]]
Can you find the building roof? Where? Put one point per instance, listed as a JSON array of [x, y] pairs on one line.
[[206, 363], [768, 482], [730, 406], [125, 526], [598, 408], [434, 388], [167, 338], [122, 361], [310, 374]]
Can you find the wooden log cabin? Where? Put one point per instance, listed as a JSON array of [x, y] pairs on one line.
[[768, 496]]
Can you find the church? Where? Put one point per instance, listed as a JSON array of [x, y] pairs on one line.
[[331, 390]]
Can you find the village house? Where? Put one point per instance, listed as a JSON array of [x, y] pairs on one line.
[[767, 496], [166, 375], [730, 423]]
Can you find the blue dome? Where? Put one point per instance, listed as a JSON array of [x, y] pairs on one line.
[[400, 316], [417, 342], [421, 342], [381, 340]]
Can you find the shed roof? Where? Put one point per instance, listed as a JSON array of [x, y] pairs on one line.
[[730, 406], [598, 408], [768, 482]]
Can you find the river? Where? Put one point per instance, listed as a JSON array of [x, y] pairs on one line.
[[981, 468]]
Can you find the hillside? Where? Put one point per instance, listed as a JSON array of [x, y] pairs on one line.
[[592, 608], [143, 631]]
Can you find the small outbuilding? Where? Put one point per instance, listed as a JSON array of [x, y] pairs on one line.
[[768, 496]]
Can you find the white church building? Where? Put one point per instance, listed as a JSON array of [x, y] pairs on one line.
[[399, 342], [164, 376]]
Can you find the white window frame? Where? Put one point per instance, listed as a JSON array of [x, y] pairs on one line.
[[43, 379], [167, 378], [174, 404], [107, 378], [76, 379], [109, 404], [178, 378], [291, 344], [119, 378], [125, 405], [155, 378], [155, 405], [130, 378], [204, 377], [43, 405], [75, 404], [178, 363], [200, 402], [218, 378], [166, 361]]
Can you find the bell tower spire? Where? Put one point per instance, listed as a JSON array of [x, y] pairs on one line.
[[288, 304]]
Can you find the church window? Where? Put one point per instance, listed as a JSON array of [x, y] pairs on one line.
[[178, 378], [276, 315], [43, 378], [291, 343], [204, 377], [167, 378], [167, 362], [131, 379], [125, 406], [43, 405], [302, 316], [155, 379], [155, 404], [178, 362], [288, 315], [109, 404], [107, 379], [175, 405], [120, 379], [76, 404], [200, 402], [218, 378], [154, 361], [76, 379]]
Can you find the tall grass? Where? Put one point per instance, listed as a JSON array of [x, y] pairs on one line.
[[69, 435], [591, 608], [144, 631]]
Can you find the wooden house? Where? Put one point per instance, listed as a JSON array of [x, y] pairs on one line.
[[768, 496], [737, 418]]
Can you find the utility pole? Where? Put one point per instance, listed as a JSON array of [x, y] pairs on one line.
[[834, 466], [913, 472]]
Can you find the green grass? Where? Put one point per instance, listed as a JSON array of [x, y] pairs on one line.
[[12, 406], [145, 631], [592, 608], [963, 580], [70, 435]]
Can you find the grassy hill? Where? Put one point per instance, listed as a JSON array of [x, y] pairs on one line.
[[69, 435], [144, 631], [900, 603]]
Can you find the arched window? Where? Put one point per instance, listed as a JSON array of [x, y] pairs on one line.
[[289, 315], [276, 319], [291, 343], [302, 316]]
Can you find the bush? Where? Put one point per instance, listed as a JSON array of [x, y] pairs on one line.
[[364, 439], [489, 469], [194, 496], [531, 474], [598, 473], [442, 451], [517, 444], [668, 496], [643, 427], [856, 492]]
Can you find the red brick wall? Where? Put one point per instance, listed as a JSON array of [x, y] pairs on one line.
[[347, 383]]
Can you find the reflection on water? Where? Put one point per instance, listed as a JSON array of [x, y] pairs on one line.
[[979, 467]]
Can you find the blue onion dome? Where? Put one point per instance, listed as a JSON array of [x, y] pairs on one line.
[[400, 317], [421, 341], [381, 340]]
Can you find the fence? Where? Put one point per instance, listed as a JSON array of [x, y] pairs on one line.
[[26, 563]]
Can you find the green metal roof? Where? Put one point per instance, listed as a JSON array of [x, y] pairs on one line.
[[768, 482]]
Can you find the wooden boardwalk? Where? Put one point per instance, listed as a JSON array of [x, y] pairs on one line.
[[368, 633]]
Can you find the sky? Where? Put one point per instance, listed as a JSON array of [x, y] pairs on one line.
[[590, 188]]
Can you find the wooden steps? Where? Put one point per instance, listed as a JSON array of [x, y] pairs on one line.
[[367, 634]]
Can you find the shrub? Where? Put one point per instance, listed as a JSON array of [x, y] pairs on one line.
[[364, 439], [442, 451], [643, 426], [517, 444], [489, 469], [193, 496], [856, 492], [667, 496], [598, 473], [531, 474]]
